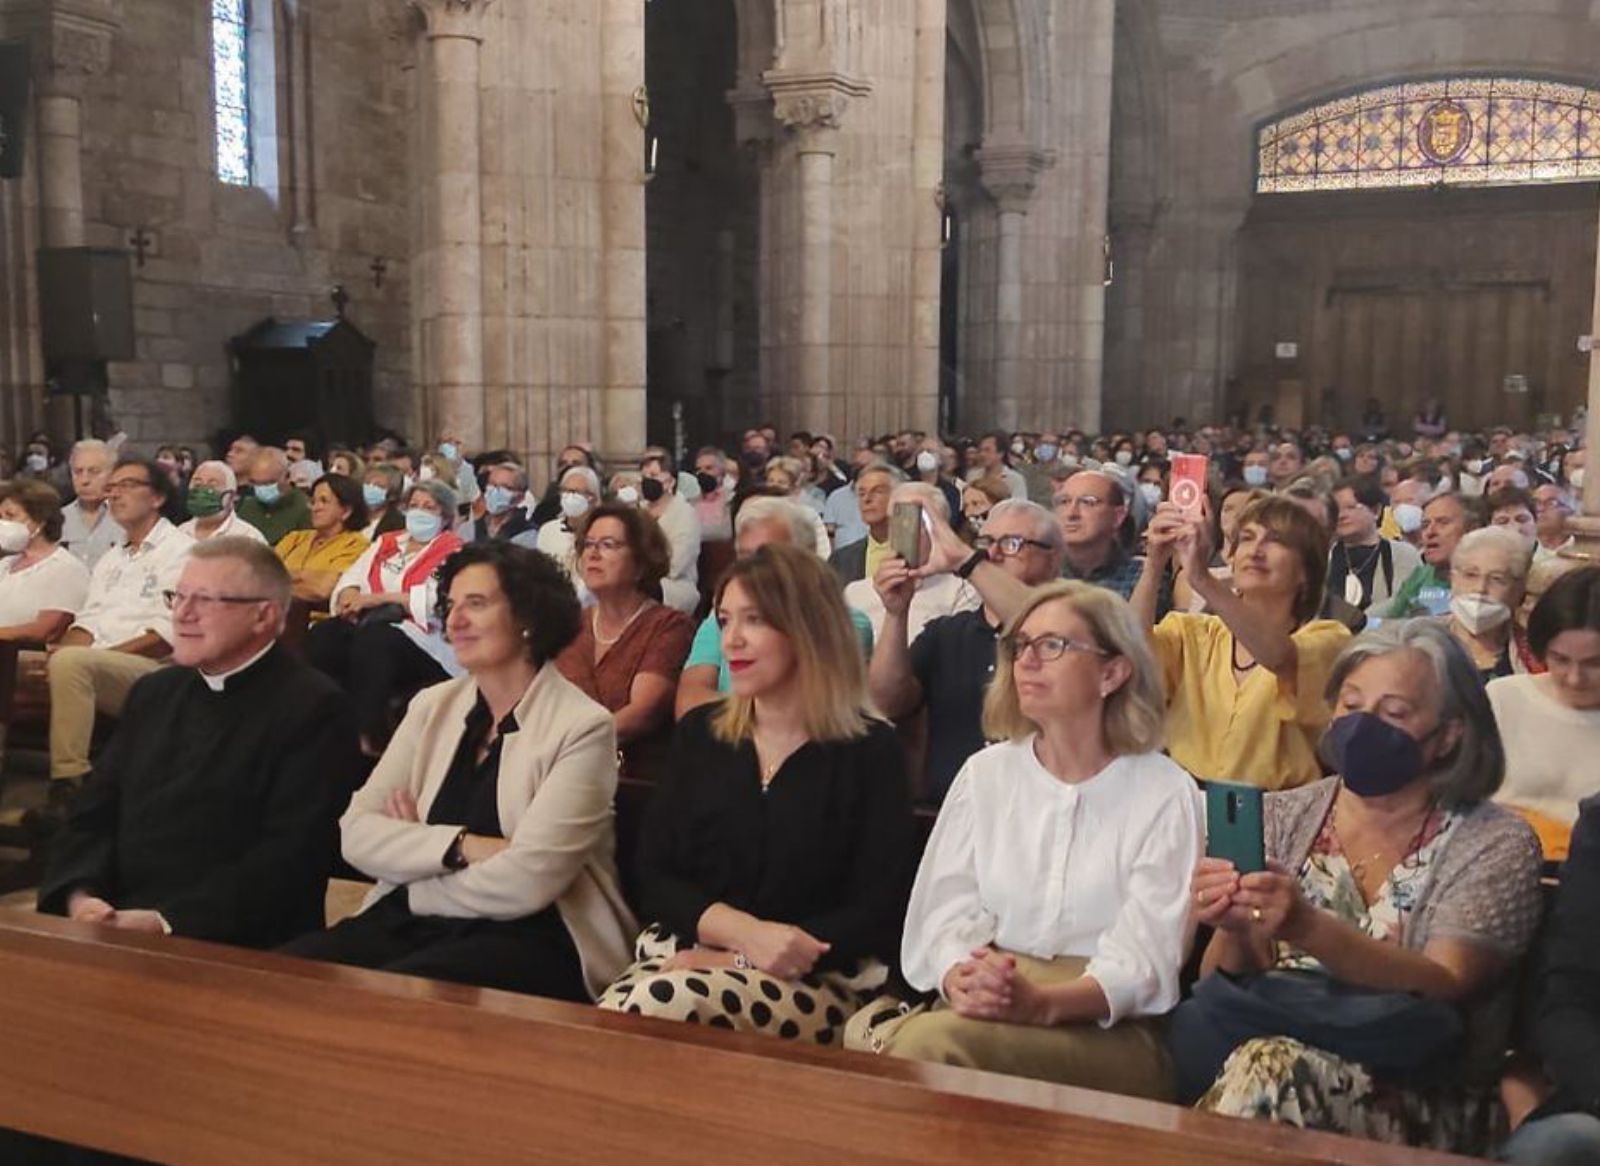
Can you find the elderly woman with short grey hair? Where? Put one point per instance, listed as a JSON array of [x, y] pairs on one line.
[[1488, 579], [1363, 983]]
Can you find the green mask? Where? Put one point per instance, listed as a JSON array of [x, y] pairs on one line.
[[204, 501]]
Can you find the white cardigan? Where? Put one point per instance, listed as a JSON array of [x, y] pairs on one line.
[[558, 776]]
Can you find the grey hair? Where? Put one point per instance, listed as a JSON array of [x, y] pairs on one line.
[[591, 478], [441, 493], [519, 478], [1474, 769], [90, 445], [230, 479], [1046, 528], [1518, 553], [272, 453], [761, 508], [881, 467], [267, 571], [931, 497]]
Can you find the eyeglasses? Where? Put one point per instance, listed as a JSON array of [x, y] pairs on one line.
[[1049, 648], [606, 546], [1087, 502], [204, 602], [1009, 545], [117, 485]]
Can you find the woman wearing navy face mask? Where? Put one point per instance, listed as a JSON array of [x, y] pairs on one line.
[[387, 641], [1364, 983]]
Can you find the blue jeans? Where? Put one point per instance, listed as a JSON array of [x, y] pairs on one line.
[[1567, 1139]]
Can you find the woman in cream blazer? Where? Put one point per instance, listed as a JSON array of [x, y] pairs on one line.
[[488, 821]]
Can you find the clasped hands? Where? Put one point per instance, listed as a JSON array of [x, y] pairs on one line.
[[402, 807], [1266, 905], [990, 986]]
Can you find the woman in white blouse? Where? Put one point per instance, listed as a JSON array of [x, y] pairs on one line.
[[1050, 913], [42, 584]]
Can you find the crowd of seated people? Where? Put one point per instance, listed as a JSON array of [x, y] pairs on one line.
[[1395, 639]]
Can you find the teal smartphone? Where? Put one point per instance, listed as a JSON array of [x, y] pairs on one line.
[[1234, 827]]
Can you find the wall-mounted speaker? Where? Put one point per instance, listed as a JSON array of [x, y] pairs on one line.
[[85, 303]]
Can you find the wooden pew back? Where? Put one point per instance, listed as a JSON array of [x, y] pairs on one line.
[[183, 1052]]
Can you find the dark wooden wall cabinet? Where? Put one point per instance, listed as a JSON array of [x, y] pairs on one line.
[[304, 376]]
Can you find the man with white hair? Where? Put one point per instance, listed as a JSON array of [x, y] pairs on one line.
[[213, 497], [761, 520], [948, 669], [87, 528], [504, 517], [936, 596], [579, 488]]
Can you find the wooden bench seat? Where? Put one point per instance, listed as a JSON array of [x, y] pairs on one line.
[[178, 1051]]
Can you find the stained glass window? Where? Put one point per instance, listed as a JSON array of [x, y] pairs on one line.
[[230, 44], [1487, 131]]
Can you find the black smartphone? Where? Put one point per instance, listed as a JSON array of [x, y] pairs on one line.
[[1234, 829], [905, 532]]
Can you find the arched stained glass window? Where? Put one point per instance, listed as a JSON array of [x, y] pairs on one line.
[[1487, 131], [230, 88]]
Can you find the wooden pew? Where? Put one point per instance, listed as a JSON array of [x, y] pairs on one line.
[[184, 1052]]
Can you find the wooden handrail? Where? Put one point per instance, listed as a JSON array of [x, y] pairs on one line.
[[184, 1052]]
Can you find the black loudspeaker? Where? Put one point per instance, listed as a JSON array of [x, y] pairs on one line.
[[85, 304], [14, 78]]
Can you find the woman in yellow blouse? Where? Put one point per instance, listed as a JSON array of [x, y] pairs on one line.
[[1245, 682], [317, 557]]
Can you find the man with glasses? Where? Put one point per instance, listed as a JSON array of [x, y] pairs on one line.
[[122, 633], [213, 811], [1092, 508], [948, 667], [1552, 506]]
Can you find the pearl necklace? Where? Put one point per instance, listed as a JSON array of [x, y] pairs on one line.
[[622, 631]]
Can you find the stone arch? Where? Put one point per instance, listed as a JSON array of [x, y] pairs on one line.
[[1015, 72]]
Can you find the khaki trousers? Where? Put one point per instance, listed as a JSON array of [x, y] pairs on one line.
[[84, 681], [1129, 1058]]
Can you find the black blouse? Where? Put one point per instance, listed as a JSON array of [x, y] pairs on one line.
[[469, 794], [828, 847]]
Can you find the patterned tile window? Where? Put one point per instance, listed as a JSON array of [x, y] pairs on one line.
[[1484, 131], [230, 59]]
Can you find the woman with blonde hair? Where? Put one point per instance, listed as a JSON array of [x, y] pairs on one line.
[[778, 849], [1049, 913]]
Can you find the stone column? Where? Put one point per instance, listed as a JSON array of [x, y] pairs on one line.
[[449, 290], [1586, 525], [622, 229], [1010, 174], [809, 106], [922, 395]]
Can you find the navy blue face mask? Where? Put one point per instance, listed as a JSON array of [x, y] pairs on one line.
[[1372, 756]]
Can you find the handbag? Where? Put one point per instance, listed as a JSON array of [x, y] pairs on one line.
[[1396, 1036]]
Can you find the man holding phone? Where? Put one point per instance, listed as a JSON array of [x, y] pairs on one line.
[[935, 595]]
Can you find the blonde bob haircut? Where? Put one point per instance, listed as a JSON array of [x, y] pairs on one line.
[[1135, 714], [798, 594]]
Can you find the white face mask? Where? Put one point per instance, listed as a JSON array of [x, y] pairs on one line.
[[14, 537], [1255, 475], [1446, 483], [573, 504], [1124, 457], [1576, 478], [1018, 448], [1479, 613], [1408, 518], [1151, 492], [730, 482], [628, 496], [927, 461]]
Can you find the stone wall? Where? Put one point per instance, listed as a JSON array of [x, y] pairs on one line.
[[1194, 78]]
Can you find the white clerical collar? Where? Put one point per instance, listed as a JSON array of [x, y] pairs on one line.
[[216, 682]]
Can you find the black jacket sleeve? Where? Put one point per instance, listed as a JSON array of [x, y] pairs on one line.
[[1567, 1031], [255, 899], [867, 922], [667, 892], [84, 854]]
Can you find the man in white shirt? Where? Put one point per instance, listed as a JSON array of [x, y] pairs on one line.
[[679, 522], [87, 528], [123, 632], [213, 493], [936, 595]]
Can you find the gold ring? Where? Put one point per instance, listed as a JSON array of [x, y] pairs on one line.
[[1255, 914]]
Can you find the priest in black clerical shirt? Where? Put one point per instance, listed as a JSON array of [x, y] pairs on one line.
[[213, 811]]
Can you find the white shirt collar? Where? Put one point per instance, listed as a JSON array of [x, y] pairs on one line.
[[216, 682], [158, 532]]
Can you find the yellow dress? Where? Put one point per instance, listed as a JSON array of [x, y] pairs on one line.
[[339, 553], [1260, 731]]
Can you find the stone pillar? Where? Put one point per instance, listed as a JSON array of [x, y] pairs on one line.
[[622, 229], [810, 106], [927, 163], [1586, 525], [1010, 174], [449, 287]]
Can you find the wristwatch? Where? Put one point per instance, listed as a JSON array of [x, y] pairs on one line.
[[966, 569], [454, 859]]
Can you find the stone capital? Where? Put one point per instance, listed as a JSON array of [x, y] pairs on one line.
[[811, 105], [1011, 174], [70, 40], [753, 124], [451, 19]]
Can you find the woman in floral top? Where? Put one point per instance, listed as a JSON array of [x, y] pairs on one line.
[[1398, 876]]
